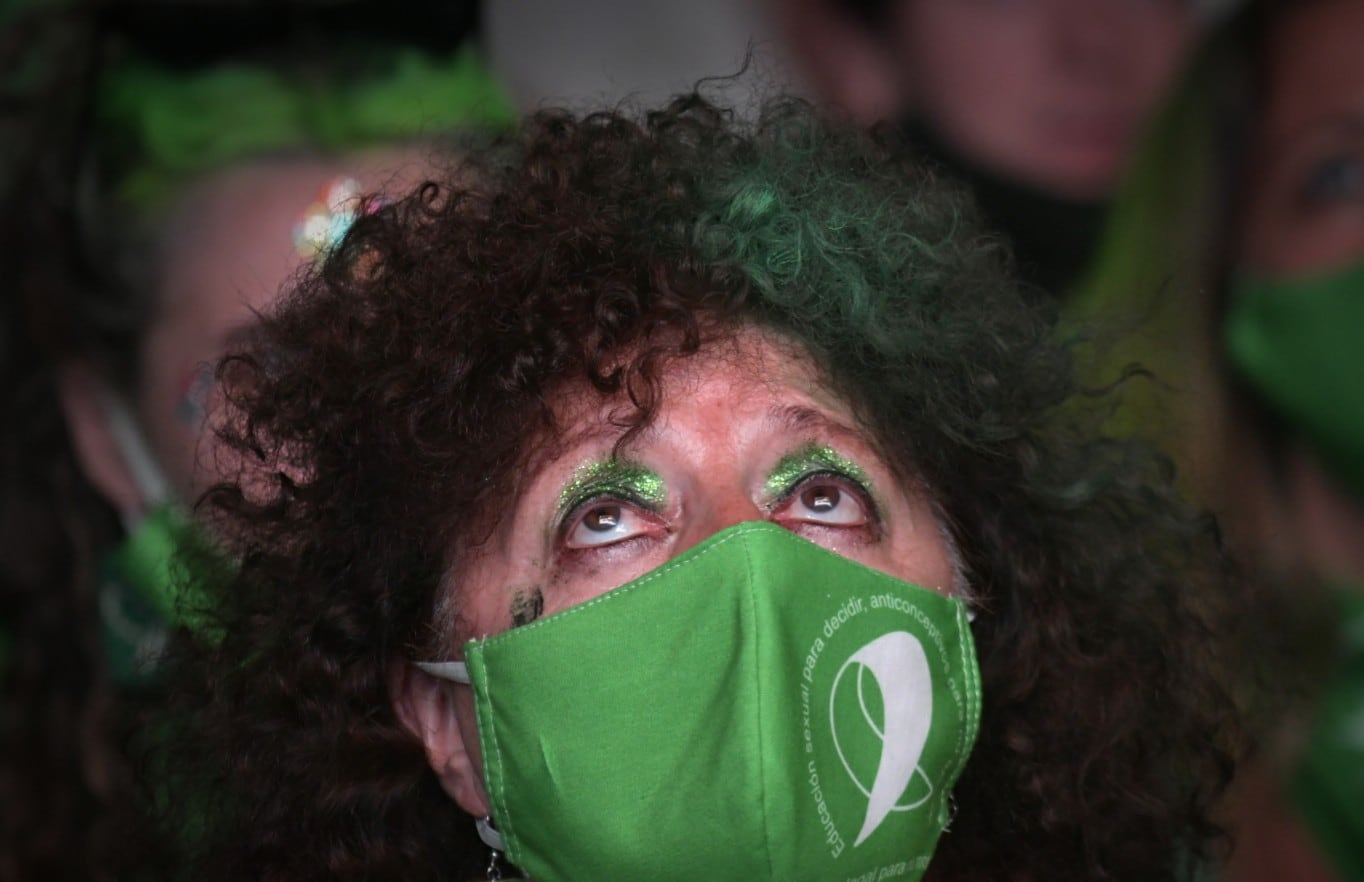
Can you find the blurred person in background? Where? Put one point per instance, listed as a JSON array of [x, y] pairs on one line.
[[1086, 131], [1294, 336], [168, 167], [1040, 105]]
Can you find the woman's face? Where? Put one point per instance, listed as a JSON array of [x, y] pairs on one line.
[[1306, 205], [745, 432], [1054, 93]]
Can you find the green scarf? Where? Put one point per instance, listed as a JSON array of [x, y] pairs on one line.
[[165, 127]]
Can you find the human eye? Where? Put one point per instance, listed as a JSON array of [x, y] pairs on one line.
[[825, 499], [1333, 179], [817, 487], [605, 521], [608, 503]]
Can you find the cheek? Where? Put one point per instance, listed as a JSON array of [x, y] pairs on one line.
[[977, 76], [926, 561], [914, 547], [499, 588], [1283, 239], [484, 605], [600, 573]]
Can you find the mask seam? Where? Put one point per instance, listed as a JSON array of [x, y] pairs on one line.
[[966, 734], [665, 569], [489, 731], [506, 827], [762, 767]]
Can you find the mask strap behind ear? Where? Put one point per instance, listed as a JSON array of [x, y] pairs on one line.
[[488, 833], [454, 671], [137, 456]]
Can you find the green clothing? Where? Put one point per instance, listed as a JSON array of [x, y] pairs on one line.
[[1328, 785]]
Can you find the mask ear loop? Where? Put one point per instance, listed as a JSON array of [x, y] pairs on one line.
[[493, 839], [132, 445], [454, 671]]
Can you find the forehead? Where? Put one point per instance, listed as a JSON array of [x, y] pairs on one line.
[[749, 372], [231, 241]]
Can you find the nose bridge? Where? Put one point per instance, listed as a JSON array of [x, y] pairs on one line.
[[716, 508]]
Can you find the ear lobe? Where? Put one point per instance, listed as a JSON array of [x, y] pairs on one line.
[[87, 421], [427, 706]]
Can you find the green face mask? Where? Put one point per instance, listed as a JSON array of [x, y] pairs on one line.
[[757, 709], [1301, 342], [149, 582], [137, 595]]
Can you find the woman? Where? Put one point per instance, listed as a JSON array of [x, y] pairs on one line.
[[630, 505], [175, 165], [1292, 323], [1039, 107]]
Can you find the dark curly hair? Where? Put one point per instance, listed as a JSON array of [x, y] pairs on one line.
[[384, 411], [84, 284]]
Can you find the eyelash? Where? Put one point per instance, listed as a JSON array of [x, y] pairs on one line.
[[596, 499], [1332, 179], [640, 508], [843, 480]]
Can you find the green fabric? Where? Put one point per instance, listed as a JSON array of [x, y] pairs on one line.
[[144, 559], [144, 591], [1328, 787], [1145, 301], [136, 600], [1301, 342], [132, 631], [171, 125], [757, 709]]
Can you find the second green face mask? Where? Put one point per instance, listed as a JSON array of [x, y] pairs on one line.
[[1299, 341], [757, 709]]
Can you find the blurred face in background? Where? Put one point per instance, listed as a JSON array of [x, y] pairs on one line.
[[1304, 219], [231, 241], [1053, 93], [1050, 93], [1305, 209]]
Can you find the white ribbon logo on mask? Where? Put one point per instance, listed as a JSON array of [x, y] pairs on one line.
[[898, 664]]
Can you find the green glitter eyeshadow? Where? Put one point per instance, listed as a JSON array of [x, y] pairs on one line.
[[814, 458], [610, 477]]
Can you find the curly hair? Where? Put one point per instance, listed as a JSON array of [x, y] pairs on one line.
[[384, 413], [85, 283]]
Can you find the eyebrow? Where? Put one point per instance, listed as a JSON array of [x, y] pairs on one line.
[[612, 474], [800, 462], [802, 418]]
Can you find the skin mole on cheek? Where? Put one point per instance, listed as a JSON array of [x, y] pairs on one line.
[[527, 605]]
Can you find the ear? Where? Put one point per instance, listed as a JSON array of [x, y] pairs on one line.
[[87, 422], [427, 706], [850, 64]]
